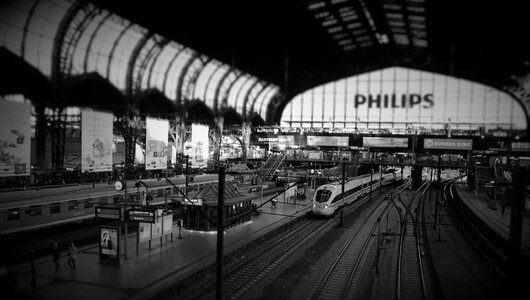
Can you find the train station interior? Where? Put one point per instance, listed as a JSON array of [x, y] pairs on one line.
[[117, 112]]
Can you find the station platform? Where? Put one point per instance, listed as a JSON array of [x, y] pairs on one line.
[[462, 274], [490, 212], [151, 271]]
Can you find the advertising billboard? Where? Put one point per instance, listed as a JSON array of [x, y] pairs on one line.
[[144, 230], [200, 145], [323, 140], [448, 144], [286, 141], [156, 144], [263, 138], [385, 142], [109, 246], [14, 138], [96, 141], [167, 223]]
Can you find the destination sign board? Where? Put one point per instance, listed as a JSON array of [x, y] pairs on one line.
[[141, 215], [111, 213]]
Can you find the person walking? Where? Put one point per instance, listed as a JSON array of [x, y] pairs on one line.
[[72, 253], [56, 254]]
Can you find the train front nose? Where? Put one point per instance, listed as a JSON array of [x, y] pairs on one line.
[[322, 209]]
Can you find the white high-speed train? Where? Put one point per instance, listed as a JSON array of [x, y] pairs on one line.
[[328, 198]]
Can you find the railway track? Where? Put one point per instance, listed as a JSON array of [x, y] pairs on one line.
[[241, 277], [342, 279], [410, 277]]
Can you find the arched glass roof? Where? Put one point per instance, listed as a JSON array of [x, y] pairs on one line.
[[131, 57], [394, 98], [28, 28]]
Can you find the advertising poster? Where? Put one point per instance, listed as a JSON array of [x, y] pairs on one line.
[[286, 141], [14, 138], [156, 144], [448, 144], [167, 223], [323, 140], [385, 142], [156, 229], [109, 248], [96, 141], [200, 145], [145, 231]]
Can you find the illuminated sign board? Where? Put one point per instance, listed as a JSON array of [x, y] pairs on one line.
[[323, 140], [199, 145], [499, 145], [448, 144], [111, 213], [521, 146], [394, 100], [385, 142], [109, 246], [263, 138], [141, 215], [286, 141]]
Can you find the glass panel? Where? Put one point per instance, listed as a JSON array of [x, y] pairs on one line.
[[55, 208], [265, 101], [243, 93], [146, 59], [41, 30], [254, 93], [161, 66], [174, 73], [102, 46], [235, 89], [225, 89], [79, 53], [13, 16], [188, 83], [73, 205], [203, 79], [213, 84], [13, 214], [122, 54]]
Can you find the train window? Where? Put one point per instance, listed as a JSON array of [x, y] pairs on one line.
[[89, 203], [13, 214], [55, 208], [34, 210], [323, 195], [73, 205]]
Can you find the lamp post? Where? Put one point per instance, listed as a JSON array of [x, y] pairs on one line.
[[187, 174]]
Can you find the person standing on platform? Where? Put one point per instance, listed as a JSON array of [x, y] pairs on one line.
[[72, 253], [56, 254]]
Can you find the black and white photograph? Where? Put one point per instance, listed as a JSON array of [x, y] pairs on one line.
[[281, 149]]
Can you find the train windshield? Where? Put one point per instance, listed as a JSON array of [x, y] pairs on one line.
[[322, 195]]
